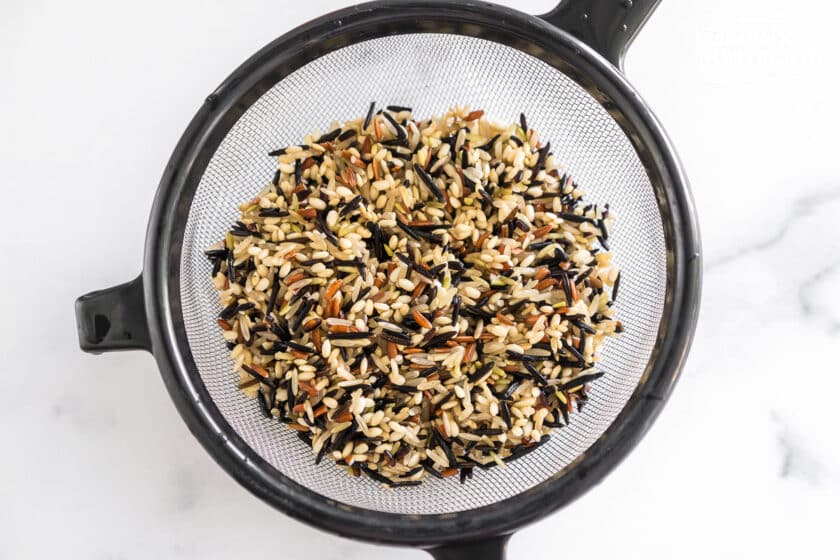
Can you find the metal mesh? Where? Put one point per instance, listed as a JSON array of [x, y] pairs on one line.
[[431, 72]]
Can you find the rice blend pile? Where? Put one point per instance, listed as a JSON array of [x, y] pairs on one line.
[[418, 298]]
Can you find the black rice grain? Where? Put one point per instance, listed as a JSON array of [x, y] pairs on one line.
[[369, 116], [428, 181]]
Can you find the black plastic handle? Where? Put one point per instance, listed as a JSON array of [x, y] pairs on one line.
[[608, 26], [113, 319], [491, 548]]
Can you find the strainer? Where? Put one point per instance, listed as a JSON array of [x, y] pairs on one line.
[[563, 70]]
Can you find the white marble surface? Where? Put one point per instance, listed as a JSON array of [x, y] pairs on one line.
[[745, 460]]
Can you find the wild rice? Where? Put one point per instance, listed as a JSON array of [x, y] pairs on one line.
[[418, 297]]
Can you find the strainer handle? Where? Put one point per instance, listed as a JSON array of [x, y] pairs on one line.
[[491, 548], [608, 26], [113, 319]]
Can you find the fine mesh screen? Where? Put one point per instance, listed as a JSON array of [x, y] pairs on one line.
[[431, 72]]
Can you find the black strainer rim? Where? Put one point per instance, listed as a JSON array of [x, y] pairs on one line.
[[161, 277]]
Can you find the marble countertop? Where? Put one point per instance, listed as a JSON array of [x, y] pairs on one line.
[[745, 459]]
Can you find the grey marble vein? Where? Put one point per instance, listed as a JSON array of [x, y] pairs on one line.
[[809, 307], [802, 208], [797, 461]]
